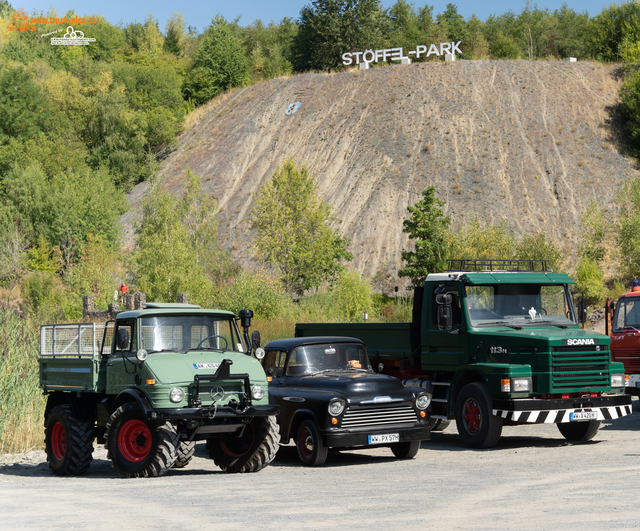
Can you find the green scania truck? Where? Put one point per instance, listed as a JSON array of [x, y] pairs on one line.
[[498, 342], [150, 384]]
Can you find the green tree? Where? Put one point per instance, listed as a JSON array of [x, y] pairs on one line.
[[538, 247], [175, 35], [606, 32], [629, 227], [353, 295], [593, 234], [293, 232], [218, 63], [429, 227]]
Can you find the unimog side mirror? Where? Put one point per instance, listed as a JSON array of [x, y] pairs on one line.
[[444, 314], [245, 322], [258, 351], [122, 339]]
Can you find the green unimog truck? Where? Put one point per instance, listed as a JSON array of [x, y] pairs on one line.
[[498, 342], [152, 383]]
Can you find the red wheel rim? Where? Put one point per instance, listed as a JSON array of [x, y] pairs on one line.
[[305, 443], [58, 441], [472, 416], [237, 447], [134, 440]]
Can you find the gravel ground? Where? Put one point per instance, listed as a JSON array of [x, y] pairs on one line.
[[533, 479]]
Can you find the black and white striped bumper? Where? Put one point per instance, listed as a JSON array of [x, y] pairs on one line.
[[561, 410]]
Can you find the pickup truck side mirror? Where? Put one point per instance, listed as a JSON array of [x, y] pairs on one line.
[[122, 339], [444, 314]]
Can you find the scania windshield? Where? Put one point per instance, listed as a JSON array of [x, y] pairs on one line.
[[518, 305]]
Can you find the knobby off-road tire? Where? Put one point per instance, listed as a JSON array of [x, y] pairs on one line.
[[311, 448], [477, 425], [138, 447], [185, 452], [68, 442], [250, 452], [405, 450], [579, 431]]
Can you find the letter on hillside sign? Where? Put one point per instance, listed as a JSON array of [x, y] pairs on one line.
[[397, 54]]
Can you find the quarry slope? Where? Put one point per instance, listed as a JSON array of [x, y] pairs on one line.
[[528, 143]]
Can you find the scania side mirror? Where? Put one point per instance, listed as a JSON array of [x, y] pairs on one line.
[[444, 314], [122, 339], [582, 310]]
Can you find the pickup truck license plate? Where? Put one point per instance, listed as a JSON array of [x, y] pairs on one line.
[[583, 415], [390, 438]]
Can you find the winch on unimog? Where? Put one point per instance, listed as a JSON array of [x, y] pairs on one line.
[[152, 383]]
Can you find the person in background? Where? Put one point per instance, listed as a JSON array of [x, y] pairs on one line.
[[124, 289]]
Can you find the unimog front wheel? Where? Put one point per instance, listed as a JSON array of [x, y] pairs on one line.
[[477, 425], [185, 452], [250, 451], [137, 447], [68, 442], [580, 431]]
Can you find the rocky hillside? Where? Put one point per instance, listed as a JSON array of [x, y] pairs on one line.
[[531, 143]]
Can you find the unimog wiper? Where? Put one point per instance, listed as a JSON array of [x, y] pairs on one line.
[[224, 349], [167, 350]]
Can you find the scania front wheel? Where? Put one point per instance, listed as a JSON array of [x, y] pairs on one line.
[[137, 447], [68, 442], [477, 425], [579, 431]]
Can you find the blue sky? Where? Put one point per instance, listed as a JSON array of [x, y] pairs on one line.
[[200, 13]]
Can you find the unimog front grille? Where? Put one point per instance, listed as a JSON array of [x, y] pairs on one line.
[[579, 366], [379, 416]]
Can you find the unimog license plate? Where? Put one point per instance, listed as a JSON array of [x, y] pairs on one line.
[[389, 438], [583, 415]]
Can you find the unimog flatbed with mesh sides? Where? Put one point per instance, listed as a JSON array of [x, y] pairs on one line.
[[150, 384], [498, 342]]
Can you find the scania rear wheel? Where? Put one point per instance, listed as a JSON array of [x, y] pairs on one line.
[[68, 442], [477, 425], [248, 451], [137, 447], [579, 431]]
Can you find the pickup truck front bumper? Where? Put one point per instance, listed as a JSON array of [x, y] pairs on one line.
[[344, 438], [562, 410]]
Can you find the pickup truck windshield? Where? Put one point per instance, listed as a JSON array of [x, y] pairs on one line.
[[319, 358], [184, 332], [520, 305]]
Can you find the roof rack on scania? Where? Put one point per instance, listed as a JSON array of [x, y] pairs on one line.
[[498, 342]]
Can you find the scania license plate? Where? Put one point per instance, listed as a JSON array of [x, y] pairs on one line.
[[380, 439], [583, 415]]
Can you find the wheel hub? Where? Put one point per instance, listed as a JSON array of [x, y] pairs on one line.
[[58, 441], [134, 440], [306, 444], [472, 416]]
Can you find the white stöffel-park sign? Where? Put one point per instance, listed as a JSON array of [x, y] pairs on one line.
[[397, 54]]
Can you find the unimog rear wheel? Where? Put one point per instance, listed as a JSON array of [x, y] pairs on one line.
[[68, 442], [250, 451], [477, 425], [185, 452], [580, 431], [137, 447]]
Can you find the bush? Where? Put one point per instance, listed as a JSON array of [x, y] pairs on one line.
[[590, 280], [353, 295]]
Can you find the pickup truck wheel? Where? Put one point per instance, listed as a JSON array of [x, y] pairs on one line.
[[185, 452], [439, 424], [579, 431], [139, 448], [477, 425], [253, 450], [311, 449], [405, 450], [68, 442]]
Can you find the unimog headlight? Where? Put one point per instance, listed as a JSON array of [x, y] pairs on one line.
[[617, 380], [141, 355], [423, 401], [259, 353], [257, 392], [176, 395], [336, 406]]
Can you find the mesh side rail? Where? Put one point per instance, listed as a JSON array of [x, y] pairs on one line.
[[464, 264], [72, 340]]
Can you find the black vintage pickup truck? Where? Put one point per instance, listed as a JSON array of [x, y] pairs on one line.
[[330, 397]]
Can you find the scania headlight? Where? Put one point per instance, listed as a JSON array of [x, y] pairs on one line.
[[521, 385], [257, 392], [617, 380], [423, 401], [336, 406], [176, 395]]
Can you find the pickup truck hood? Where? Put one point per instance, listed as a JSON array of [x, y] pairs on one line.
[[365, 385]]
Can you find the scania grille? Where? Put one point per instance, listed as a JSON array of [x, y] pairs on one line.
[[379, 416], [579, 366]]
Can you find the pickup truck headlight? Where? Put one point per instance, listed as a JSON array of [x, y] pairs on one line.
[[423, 401], [617, 380], [257, 392], [176, 395], [336, 406]]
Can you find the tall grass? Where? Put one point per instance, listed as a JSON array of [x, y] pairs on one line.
[[21, 402]]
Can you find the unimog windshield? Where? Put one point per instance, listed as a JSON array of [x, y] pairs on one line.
[[519, 305], [189, 332]]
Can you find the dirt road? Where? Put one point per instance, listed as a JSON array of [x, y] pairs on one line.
[[532, 480]]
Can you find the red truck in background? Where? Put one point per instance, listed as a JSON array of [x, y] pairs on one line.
[[622, 324]]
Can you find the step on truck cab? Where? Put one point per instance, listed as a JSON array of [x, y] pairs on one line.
[[150, 384], [498, 342]]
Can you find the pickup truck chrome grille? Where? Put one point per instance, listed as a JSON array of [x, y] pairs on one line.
[[585, 367], [379, 416]]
